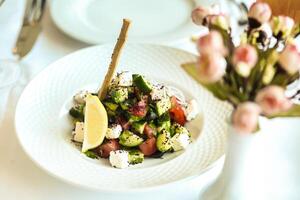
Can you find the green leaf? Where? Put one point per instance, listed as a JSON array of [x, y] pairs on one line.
[[293, 112], [215, 88]]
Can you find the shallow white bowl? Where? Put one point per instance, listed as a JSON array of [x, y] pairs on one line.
[[44, 129], [99, 21]]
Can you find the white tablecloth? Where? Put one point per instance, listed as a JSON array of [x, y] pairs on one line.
[[20, 178]]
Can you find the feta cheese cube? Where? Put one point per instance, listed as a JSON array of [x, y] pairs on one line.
[[191, 110], [123, 79], [80, 97], [180, 141], [114, 131], [79, 132], [119, 159], [158, 92]]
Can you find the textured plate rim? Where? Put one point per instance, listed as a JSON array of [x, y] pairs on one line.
[[217, 162]]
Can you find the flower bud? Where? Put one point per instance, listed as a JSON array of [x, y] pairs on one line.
[[282, 26], [262, 35], [244, 59], [211, 67], [289, 59], [199, 14], [272, 100], [260, 13], [245, 117], [211, 43], [220, 21]]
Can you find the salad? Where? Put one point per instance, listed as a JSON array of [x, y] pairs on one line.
[[144, 119]]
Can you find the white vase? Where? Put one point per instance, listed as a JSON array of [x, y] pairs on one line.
[[261, 166]]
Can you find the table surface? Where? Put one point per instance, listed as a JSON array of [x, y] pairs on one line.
[[20, 178]]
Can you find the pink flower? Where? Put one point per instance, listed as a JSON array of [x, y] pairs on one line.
[[211, 67], [245, 117], [199, 14], [244, 59], [282, 26], [289, 59], [272, 100], [260, 12], [219, 20], [211, 43]]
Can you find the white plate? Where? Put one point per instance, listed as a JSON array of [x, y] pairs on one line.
[[43, 125], [98, 21]]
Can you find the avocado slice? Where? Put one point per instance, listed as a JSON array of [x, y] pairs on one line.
[[141, 83], [129, 139]]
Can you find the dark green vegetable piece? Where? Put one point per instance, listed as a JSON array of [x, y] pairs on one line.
[[154, 128], [126, 104], [77, 112], [135, 157], [129, 139], [151, 115], [141, 83], [111, 106], [133, 118], [139, 126], [177, 128], [119, 94], [91, 154], [164, 122]]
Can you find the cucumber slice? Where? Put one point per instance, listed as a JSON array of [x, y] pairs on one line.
[[141, 83], [129, 139], [126, 104], [133, 118], [177, 128], [111, 106], [152, 125], [163, 106], [119, 94], [139, 126], [164, 122], [163, 142], [135, 157]]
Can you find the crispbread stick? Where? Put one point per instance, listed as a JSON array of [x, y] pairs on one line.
[[114, 59]]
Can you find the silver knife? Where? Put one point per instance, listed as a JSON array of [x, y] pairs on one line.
[[31, 27]]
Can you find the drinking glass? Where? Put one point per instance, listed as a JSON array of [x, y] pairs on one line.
[[10, 72]]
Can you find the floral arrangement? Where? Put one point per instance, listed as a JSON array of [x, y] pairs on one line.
[[252, 75]]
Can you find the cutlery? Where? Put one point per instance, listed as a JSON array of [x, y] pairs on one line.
[[31, 27]]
